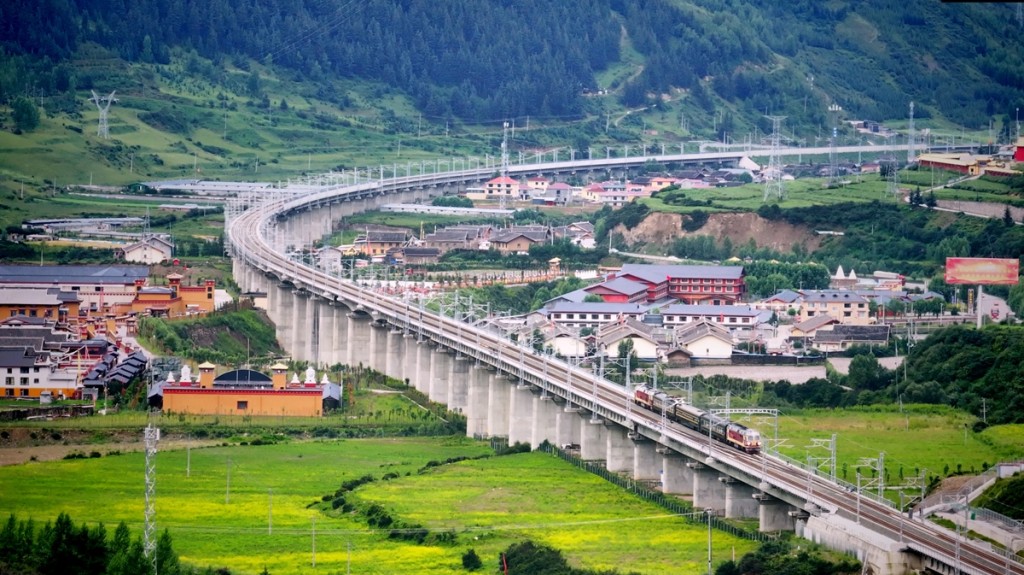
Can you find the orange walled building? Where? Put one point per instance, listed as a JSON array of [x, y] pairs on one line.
[[254, 396], [48, 303], [172, 300]]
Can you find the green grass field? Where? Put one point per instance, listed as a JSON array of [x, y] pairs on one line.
[[799, 193], [922, 437], [260, 519]]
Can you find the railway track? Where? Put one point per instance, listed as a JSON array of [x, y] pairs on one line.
[[611, 401]]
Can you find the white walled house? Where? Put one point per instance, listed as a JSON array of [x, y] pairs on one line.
[[149, 251], [705, 341]]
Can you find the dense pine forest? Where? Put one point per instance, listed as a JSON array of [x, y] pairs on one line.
[[482, 60]]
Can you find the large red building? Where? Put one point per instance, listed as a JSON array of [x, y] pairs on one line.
[[714, 285], [619, 290]]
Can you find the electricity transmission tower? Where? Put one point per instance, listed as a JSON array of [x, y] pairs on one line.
[[152, 436], [911, 156], [833, 155], [773, 182], [893, 177], [103, 106]]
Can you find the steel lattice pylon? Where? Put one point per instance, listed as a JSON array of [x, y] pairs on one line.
[[152, 436], [773, 181], [103, 107]]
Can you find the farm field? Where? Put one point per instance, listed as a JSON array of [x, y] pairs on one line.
[[260, 518], [922, 437], [799, 193]]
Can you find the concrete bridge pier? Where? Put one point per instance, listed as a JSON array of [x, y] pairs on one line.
[[339, 353], [498, 401], [240, 270], [296, 326], [326, 345], [410, 358], [545, 418], [567, 426], [619, 456], [646, 462], [520, 409], [708, 491], [476, 404], [420, 378], [739, 499], [279, 310], [311, 323], [358, 350], [440, 371], [676, 475], [773, 514], [378, 350], [458, 387], [394, 354], [593, 444]]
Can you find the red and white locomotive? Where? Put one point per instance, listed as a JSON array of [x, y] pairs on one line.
[[734, 434]]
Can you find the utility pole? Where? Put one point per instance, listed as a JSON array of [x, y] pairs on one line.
[[708, 512], [911, 156], [833, 156]]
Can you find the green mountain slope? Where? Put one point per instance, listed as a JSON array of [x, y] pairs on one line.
[[274, 88]]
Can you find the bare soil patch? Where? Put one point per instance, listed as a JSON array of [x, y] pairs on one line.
[[23, 444], [740, 228]]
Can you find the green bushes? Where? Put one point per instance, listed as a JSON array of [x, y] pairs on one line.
[[229, 337]]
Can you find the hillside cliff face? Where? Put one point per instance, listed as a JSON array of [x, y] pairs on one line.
[[661, 229]]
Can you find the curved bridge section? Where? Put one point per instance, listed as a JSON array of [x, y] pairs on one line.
[[506, 390]]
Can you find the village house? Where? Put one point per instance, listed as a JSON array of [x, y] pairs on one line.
[[732, 317], [151, 250], [609, 336], [47, 303], [446, 240], [565, 342], [591, 314], [579, 233], [781, 303], [172, 300], [415, 255], [848, 307], [841, 337], [500, 189], [804, 331], [537, 185], [377, 243], [518, 239], [705, 341], [99, 287]]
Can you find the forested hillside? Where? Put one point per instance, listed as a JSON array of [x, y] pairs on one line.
[[485, 60]]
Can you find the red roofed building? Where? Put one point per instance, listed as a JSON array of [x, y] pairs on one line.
[[1018, 153], [714, 285], [619, 290], [502, 186]]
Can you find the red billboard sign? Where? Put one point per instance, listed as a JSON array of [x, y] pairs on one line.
[[982, 271]]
